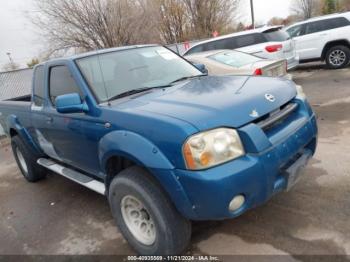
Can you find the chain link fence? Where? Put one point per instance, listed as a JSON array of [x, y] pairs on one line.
[[13, 84]]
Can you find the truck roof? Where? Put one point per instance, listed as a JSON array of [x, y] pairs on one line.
[[95, 52]]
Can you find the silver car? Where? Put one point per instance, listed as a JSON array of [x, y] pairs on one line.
[[232, 62]]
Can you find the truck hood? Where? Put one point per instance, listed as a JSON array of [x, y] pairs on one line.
[[212, 101]]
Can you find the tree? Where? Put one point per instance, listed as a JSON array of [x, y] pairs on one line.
[[10, 66], [345, 4], [304, 8], [181, 20], [173, 21], [33, 62], [207, 16], [330, 6], [276, 21], [84, 25]]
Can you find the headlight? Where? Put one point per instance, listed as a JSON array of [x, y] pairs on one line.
[[300, 92], [212, 148]]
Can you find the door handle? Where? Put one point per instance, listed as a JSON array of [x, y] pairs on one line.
[[49, 120]]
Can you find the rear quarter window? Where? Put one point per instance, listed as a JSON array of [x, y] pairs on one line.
[[338, 22], [39, 87]]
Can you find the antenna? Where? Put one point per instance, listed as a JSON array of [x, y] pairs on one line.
[[103, 78]]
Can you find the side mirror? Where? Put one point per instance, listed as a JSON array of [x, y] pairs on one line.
[[70, 103], [202, 68]]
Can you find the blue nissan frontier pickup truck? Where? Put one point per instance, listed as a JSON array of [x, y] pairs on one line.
[[164, 142]]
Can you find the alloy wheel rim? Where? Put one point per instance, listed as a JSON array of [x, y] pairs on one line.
[[337, 57], [138, 220], [21, 160]]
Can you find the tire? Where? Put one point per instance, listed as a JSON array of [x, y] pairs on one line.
[[171, 231], [338, 57], [26, 160]]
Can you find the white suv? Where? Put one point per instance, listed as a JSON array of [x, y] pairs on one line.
[[325, 38], [266, 42]]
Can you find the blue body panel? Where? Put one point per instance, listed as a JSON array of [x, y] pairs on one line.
[[150, 129]]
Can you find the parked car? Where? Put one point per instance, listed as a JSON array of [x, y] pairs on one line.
[[231, 62], [163, 142], [266, 42], [325, 38]]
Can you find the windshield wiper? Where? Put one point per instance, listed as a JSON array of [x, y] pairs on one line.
[[130, 92], [186, 77]]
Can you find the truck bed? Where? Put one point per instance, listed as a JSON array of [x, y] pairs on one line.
[[19, 107]]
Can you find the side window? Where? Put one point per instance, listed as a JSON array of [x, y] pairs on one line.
[[247, 40], [61, 83], [337, 22], [316, 27], [296, 31], [39, 87], [218, 44]]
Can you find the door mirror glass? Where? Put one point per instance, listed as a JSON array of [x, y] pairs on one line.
[[202, 68], [70, 103]]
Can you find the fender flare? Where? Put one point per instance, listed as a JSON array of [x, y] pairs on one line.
[[13, 123], [134, 147]]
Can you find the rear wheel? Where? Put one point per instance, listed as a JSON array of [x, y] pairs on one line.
[[338, 57], [146, 216], [26, 160]]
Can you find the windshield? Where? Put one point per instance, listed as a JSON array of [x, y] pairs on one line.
[[234, 58], [118, 72]]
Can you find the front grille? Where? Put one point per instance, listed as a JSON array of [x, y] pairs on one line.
[[276, 117]]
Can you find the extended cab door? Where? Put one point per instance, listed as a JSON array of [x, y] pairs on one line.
[[61, 135]]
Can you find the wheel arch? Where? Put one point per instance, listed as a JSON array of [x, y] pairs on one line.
[[330, 44], [122, 149]]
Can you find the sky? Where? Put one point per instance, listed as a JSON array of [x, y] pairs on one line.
[[20, 38]]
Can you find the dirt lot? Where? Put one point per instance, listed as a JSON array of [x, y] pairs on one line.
[[57, 216]]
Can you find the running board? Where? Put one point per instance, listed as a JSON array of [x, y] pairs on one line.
[[73, 175]]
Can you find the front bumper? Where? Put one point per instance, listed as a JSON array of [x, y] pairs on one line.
[[205, 195]]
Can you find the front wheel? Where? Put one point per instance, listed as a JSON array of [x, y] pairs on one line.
[[338, 57], [146, 216]]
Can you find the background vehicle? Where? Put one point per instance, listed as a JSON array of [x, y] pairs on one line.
[[267, 42], [165, 143], [325, 38], [231, 62]]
